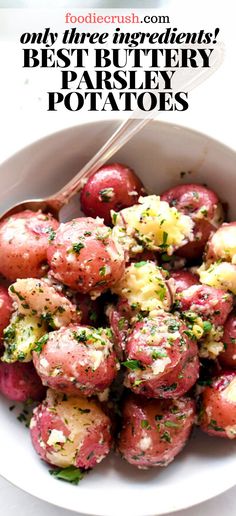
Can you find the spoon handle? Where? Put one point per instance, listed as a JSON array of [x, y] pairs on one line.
[[186, 81], [119, 138]]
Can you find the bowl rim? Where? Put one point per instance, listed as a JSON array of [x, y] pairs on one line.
[[111, 121]]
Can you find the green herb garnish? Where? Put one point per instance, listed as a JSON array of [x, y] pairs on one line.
[[132, 364], [40, 343], [140, 264], [70, 474]]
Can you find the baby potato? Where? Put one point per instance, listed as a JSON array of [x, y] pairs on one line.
[[145, 287], [112, 187], [21, 336], [183, 279], [77, 360], [161, 360], [24, 239], [221, 275], [38, 297], [85, 257], [211, 304], [153, 225], [20, 382], [218, 406], [5, 309], [228, 357], [70, 431], [222, 244], [154, 431], [203, 206]]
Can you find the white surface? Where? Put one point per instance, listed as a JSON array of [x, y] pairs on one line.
[[207, 466], [212, 110]]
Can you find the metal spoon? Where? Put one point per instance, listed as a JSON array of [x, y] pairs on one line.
[[119, 138]]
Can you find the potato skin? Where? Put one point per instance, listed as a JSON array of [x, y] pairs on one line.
[[210, 303], [6, 309], [228, 357], [203, 206], [161, 360], [85, 257], [183, 279], [222, 244], [20, 382], [154, 431], [24, 239], [70, 431], [218, 406], [77, 360], [112, 187]]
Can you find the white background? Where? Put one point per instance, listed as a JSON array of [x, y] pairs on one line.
[[24, 119]]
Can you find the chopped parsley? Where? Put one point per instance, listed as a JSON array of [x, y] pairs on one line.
[[9, 333], [51, 234], [114, 217], [70, 474], [164, 241], [76, 248], [171, 424], [166, 437], [173, 326], [214, 426], [13, 290], [132, 364], [165, 257], [40, 343], [171, 387], [80, 336], [158, 354], [106, 194], [102, 270], [145, 424], [158, 417], [140, 264], [137, 382], [121, 323], [93, 315]]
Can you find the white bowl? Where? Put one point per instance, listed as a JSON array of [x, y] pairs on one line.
[[159, 154]]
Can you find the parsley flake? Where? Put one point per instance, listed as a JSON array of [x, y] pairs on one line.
[[70, 474]]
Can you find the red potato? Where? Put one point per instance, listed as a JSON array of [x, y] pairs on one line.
[[183, 279], [204, 208], [210, 303], [218, 406], [162, 361], [228, 357], [88, 309], [85, 257], [112, 187], [77, 360], [154, 431], [24, 239], [70, 431], [20, 382], [33, 296], [5, 309], [222, 245]]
